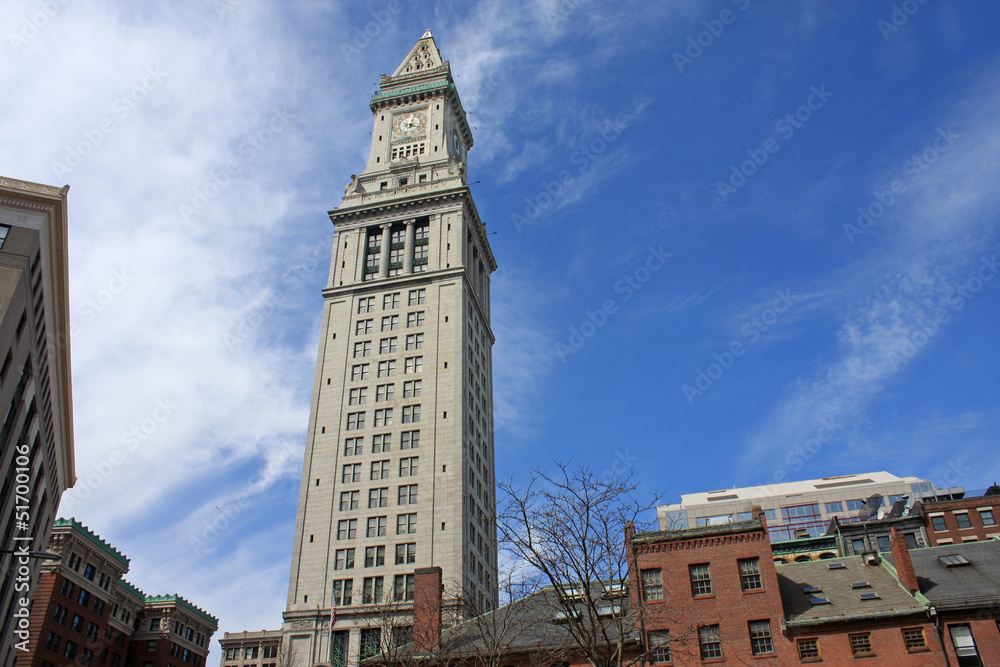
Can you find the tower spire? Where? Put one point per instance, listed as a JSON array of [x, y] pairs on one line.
[[423, 56]]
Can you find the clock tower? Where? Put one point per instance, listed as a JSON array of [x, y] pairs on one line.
[[399, 466]]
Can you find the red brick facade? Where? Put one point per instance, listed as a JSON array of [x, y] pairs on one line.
[[963, 520], [704, 602], [65, 631], [427, 601]]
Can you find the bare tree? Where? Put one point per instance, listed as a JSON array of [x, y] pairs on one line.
[[567, 527]]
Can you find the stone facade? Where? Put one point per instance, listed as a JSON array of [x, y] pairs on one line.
[[399, 465]]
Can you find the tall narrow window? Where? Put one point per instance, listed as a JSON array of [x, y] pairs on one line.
[[750, 574], [709, 642], [760, 637], [652, 585], [701, 579]]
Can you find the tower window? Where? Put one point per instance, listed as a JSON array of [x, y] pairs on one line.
[[403, 181], [383, 185], [408, 150], [422, 178]]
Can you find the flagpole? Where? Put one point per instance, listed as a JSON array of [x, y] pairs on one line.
[[333, 619]]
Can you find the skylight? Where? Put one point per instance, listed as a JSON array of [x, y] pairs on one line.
[[860, 584], [836, 566], [812, 589], [819, 600], [868, 596], [953, 560]]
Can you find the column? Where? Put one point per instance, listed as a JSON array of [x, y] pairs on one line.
[[383, 263], [408, 249]]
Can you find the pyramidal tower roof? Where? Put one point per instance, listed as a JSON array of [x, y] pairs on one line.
[[424, 56]]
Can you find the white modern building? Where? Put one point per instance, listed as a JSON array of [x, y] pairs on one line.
[[796, 509]]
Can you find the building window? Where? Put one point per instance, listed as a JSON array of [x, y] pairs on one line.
[[357, 396], [411, 414], [415, 319], [347, 529], [355, 421], [963, 520], [402, 588], [362, 327], [408, 466], [414, 341], [90, 570], [70, 651], [701, 579], [374, 556], [376, 526], [883, 543], [52, 642], [390, 301], [407, 495], [414, 365], [366, 304], [378, 498], [390, 322], [858, 545], [385, 392], [659, 647], [359, 372], [83, 598], [386, 368], [406, 553], [938, 522], [750, 574], [343, 559], [406, 524], [709, 642], [60, 615], [349, 500], [380, 469], [412, 388], [808, 649], [416, 297], [362, 349], [151, 647], [986, 515], [861, 644], [410, 440], [402, 151], [652, 585], [270, 652], [914, 639], [371, 591], [4, 230], [381, 443], [760, 637], [353, 446], [351, 473], [834, 507], [383, 417], [387, 345], [342, 590], [965, 646]]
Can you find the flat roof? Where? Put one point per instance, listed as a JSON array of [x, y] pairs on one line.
[[808, 486]]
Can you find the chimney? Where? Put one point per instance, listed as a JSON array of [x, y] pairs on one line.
[[427, 609], [757, 513], [904, 566]]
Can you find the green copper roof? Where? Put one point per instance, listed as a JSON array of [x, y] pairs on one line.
[[87, 534], [178, 600], [414, 89], [131, 589]]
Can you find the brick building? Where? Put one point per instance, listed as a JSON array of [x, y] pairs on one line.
[[962, 520], [84, 613], [707, 594]]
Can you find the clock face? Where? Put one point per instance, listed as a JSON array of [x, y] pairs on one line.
[[411, 124]]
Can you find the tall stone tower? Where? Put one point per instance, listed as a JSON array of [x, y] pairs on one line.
[[399, 467]]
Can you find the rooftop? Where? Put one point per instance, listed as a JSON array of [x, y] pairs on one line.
[[822, 485], [88, 535], [700, 531], [181, 602], [854, 591], [946, 582]]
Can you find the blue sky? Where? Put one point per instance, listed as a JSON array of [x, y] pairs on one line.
[[738, 242]]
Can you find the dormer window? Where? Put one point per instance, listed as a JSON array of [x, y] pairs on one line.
[[403, 181]]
